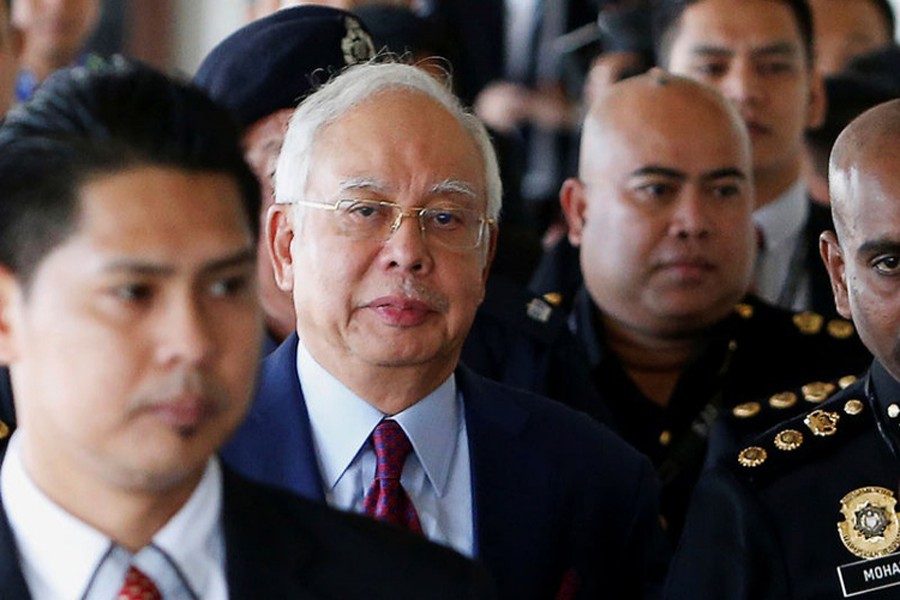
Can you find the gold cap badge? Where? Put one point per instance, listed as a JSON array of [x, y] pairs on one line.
[[870, 527]]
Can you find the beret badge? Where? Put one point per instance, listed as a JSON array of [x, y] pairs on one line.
[[356, 45]]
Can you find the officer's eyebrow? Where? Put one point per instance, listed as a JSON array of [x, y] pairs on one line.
[[727, 172], [711, 50], [879, 246], [659, 171]]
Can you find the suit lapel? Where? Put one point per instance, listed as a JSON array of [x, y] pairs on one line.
[[514, 513], [278, 427], [12, 582], [262, 560]]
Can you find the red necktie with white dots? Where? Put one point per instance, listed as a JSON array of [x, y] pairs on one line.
[[138, 586], [386, 500]]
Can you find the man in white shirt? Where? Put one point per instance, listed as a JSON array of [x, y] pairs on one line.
[[387, 199], [130, 320], [759, 54]]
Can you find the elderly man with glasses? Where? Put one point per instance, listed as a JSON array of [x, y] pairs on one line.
[[387, 203]]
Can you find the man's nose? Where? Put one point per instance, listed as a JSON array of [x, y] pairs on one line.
[[407, 247], [185, 333], [742, 85], [690, 216]]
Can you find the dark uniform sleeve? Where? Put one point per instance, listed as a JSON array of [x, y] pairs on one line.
[[727, 550]]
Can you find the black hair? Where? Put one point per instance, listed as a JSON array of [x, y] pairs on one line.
[[667, 19], [86, 123]]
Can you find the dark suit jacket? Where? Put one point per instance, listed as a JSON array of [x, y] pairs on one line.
[[556, 496], [281, 546]]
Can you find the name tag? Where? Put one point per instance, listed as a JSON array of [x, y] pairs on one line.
[[869, 575]]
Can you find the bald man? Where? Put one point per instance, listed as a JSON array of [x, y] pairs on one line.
[[662, 213], [808, 509]]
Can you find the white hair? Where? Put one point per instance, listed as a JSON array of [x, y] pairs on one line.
[[352, 87]]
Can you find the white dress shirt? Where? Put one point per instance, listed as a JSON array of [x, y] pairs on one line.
[[436, 474], [781, 276], [63, 558]]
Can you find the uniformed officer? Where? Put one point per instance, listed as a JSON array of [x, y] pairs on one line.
[[808, 509], [661, 212]]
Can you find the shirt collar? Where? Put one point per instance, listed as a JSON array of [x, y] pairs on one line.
[[782, 219], [193, 537], [62, 552], [57, 549], [342, 422]]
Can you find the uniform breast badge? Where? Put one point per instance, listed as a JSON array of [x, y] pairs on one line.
[[870, 528], [871, 531]]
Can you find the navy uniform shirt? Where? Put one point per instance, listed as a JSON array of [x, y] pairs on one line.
[[757, 351], [523, 341], [806, 510]]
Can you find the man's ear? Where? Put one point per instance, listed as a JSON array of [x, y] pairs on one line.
[[818, 101], [830, 250], [10, 303], [574, 203], [279, 237]]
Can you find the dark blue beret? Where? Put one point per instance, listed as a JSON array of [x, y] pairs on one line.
[[274, 62]]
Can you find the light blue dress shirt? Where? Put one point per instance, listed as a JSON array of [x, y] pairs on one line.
[[436, 474]]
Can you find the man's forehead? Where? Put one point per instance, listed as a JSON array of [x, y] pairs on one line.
[[723, 24]]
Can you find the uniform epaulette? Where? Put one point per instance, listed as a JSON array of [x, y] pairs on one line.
[[811, 323], [760, 415], [793, 442], [807, 323]]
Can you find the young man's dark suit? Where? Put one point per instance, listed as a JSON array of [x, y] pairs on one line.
[[281, 546], [553, 492]]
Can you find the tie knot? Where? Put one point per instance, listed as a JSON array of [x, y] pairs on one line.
[[137, 586], [391, 449]]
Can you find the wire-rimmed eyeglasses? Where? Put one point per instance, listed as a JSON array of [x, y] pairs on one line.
[[453, 227]]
